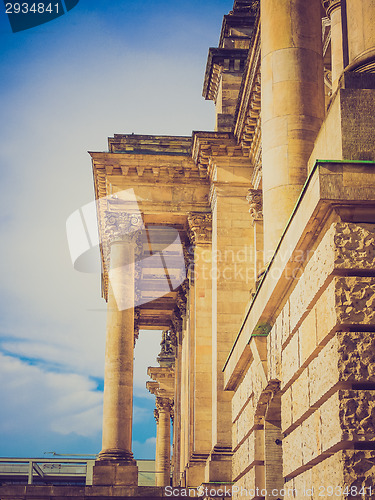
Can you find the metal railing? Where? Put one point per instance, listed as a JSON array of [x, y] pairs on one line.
[[78, 471], [47, 470]]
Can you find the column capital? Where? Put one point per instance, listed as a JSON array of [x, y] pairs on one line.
[[200, 227], [120, 226], [331, 5], [164, 405], [156, 415], [255, 199]]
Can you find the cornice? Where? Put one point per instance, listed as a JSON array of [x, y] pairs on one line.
[[207, 145], [218, 60], [249, 102]]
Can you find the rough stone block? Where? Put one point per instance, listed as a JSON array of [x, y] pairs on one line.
[[354, 246], [359, 470], [357, 414], [356, 356], [355, 300]]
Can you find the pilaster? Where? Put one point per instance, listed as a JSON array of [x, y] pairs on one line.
[[200, 233], [232, 280]]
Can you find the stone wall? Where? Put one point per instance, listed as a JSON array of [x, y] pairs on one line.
[[321, 350]]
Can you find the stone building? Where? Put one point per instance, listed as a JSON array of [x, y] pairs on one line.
[[267, 364]]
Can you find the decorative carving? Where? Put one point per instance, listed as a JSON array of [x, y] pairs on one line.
[[164, 405], [355, 300], [156, 415], [255, 199], [176, 321], [123, 225], [181, 299], [328, 79], [356, 356], [358, 469], [331, 5], [168, 346], [354, 246], [188, 250], [200, 225], [137, 316]]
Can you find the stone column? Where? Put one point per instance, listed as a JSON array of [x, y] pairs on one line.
[[333, 8], [292, 105], [232, 280], [157, 453], [115, 465], [163, 441], [360, 17]]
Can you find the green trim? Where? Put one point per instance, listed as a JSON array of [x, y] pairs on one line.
[[305, 186]]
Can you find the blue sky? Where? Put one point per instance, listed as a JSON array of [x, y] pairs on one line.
[[103, 68]]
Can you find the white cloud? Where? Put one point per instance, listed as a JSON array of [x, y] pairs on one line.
[[35, 399], [60, 104], [145, 449]]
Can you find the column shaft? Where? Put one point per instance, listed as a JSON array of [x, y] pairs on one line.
[[118, 376], [163, 444], [292, 105]]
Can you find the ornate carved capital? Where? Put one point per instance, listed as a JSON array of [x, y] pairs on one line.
[[164, 405], [331, 5], [121, 226], [156, 415], [200, 226], [255, 199]]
